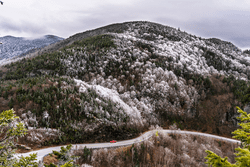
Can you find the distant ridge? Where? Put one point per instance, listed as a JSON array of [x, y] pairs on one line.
[[19, 46]]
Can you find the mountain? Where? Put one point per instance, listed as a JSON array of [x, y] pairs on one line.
[[116, 81], [19, 46]]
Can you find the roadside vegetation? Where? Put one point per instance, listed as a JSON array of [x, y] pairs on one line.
[[160, 150], [175, 150]]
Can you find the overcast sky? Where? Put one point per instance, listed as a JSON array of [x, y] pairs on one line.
[[225, 19]]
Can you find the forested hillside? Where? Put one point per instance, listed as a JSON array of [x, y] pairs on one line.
[[116, 81]]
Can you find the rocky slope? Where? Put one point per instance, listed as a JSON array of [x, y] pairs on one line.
[[116, 81]]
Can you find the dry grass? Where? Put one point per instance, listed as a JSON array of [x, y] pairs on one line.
[[50, 159], [171, 150]]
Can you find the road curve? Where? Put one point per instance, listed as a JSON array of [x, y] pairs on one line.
[[41, 153]]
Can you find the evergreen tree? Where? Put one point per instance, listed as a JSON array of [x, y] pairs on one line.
[[243, 155], [10, 131]]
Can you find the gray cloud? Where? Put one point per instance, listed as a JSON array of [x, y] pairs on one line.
[[207, 18], [228, 25], [22, 27]]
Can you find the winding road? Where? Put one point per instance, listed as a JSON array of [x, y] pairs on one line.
[[43, 152]]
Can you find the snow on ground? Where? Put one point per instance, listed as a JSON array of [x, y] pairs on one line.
[[86, 165], [114, 96]]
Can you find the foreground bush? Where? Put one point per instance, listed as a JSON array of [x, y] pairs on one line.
[[243, 155], [10, 131]]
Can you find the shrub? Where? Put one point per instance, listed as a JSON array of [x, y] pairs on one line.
[[243, 155]]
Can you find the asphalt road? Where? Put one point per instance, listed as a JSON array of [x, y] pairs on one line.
[[43, 152]]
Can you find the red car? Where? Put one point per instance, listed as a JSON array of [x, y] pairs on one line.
[[113, 141]]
